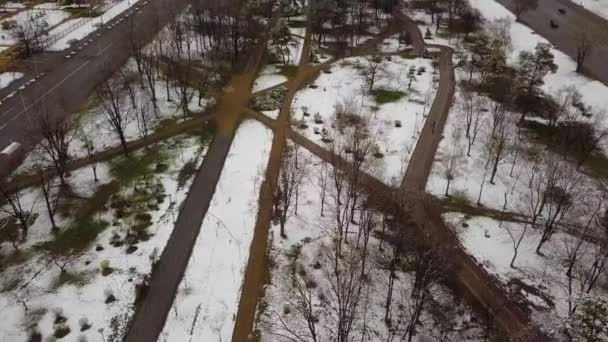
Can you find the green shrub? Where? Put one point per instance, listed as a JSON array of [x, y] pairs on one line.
[[382, 96]]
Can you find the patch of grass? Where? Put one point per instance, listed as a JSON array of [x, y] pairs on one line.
[[459, 199], [76, 238], [553, 138], [78, 279], [128, 169], [382, 96]]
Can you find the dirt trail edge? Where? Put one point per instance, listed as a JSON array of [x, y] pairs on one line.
[[255, 271]]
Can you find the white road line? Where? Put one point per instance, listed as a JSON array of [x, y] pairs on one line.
[[50, 90], [104, 49]]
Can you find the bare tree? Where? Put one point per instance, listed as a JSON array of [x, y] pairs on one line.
[[567, 99], [90, 149], [371, 70], [112, 104], [346, 287], [143, 116], [302, 299], [291, 178], [472, 107], [516, 238], [428, 270], [31, 33], [150, 67], [49, 191], [499, 137], [574, 246], [560, 197], [323, 179], [584, 45], [15, 210], [56, 133], [452, 160]]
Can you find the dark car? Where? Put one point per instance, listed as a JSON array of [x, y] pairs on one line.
[[553, 24], [561, 11]]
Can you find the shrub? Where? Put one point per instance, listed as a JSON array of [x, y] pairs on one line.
[[383, 96]]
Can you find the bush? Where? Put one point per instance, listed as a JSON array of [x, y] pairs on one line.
[[188, 170], [383, 96], [9, 24], [106, 269]]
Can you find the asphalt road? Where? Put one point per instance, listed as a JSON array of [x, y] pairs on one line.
[[575, 20], [68, 82]]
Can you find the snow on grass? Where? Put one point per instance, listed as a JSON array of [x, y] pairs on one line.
[[599, 7], [84, 26], [208, 296], [51, 17], [269, 77], [94, 125], [87, 294], [344, 83], [490, 243], [305, 251], [7, 78], [523, 38]]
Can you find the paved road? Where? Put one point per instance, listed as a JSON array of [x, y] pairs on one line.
[[575, 20], [421, 162], [68, 82]]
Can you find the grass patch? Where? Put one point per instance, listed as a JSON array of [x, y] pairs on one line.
[[553, 138], [78, 279], [128, 169], [382, 96], [459, 199], [76, 238]]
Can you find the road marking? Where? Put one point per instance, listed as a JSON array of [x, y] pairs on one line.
[[50, 90], [104, 49]]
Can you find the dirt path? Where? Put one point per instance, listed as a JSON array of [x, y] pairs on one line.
[[471, 280], [256, 271], [150, 316], [27, 180], [421, 162]]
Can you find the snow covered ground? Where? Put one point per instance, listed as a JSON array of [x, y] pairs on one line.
[[303, 255], [344, 83], [94, 126], [490, 243], [523, 38], [269, 77], [33, 297], [51, 16], [207, 299], [81, 27], [7, 78], [599, 7]]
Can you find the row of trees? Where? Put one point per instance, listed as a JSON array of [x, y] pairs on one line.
[[130, 98], [363, 247]]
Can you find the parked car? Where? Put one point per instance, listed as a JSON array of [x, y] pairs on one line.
[[561, 11]]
